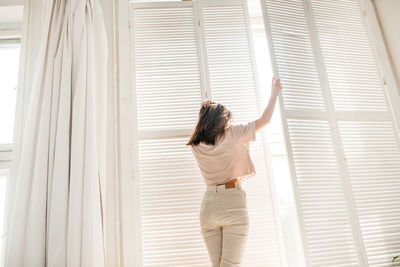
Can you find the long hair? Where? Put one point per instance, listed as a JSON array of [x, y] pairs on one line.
[[212, 123]]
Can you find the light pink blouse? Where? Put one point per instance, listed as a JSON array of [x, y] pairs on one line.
[[229, 157]]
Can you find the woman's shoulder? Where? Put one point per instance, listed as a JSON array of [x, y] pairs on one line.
[[245, 132]]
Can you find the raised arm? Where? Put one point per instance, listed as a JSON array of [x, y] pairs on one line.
[[276, 87]]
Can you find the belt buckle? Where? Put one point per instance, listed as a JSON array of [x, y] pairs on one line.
[[229, 185]]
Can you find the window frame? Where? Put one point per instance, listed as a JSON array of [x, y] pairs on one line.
[[6, 149]]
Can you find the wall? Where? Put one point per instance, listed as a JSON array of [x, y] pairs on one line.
[[388, 12]]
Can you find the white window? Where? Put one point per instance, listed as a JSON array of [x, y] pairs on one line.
[[10, 34], [183, 53], [341, 131], [9, 61]]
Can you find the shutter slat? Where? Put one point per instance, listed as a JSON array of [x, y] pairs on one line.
[[224, 26], [376, 186], [321, 196], [360, 121], [168, 87], [348, 56], [170, 189], [371, 148], [293, 50]]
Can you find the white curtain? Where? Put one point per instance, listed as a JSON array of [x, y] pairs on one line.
[[57, 212]]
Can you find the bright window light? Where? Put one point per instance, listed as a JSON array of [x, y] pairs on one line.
[[9, 61], [276, 143]]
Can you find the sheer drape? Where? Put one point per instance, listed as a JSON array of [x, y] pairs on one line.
[[57, 209]]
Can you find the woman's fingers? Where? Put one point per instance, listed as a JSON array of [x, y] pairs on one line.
[[278, 83], [275, 81]]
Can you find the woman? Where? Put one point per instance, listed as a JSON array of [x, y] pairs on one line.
[[222, 153]]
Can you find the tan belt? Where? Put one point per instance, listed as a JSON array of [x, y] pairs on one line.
[[231, 183]]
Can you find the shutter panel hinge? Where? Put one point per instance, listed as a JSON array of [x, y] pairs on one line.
[[198, 22], [129, 24], [364, 12]]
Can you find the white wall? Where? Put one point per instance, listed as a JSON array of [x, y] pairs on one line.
[[388, 12]]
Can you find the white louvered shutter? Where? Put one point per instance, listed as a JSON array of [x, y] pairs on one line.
[[168, 90], [167, 67], [341, 135], [232, 81], [185, 52], [366, 125]]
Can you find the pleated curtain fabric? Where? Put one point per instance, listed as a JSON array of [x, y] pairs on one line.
[[57, 213]]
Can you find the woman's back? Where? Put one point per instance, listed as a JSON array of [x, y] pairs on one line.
[[229, 157]]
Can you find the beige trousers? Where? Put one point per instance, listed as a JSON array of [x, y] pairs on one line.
[[224, 224]]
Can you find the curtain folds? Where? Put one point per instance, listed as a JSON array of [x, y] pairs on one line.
[[57, 213]]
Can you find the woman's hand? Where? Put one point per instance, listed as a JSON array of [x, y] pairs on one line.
[[276, 86]]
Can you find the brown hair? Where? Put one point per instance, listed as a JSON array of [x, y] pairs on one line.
[[212, 122]]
